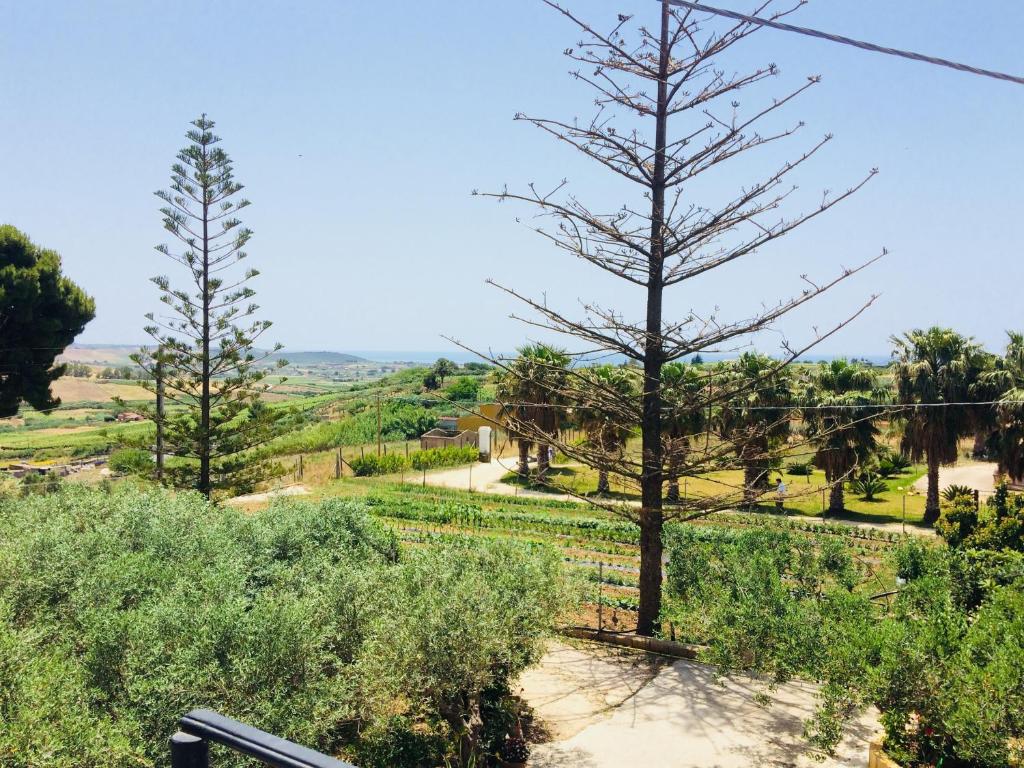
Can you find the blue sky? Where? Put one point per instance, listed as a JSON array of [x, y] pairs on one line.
[[360, 128]]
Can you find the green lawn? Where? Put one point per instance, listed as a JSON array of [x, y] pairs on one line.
[[804, 493]]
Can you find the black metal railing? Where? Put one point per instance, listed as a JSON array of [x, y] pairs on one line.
[[190, 746]]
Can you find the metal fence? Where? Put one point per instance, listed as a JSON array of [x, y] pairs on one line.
[[190, 746]]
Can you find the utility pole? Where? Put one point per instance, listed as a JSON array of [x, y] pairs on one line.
[[159, 373], [378, 424]]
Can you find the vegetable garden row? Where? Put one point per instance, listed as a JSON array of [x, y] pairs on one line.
[[602, 546]]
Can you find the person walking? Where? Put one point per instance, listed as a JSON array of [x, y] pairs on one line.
[[780, 495]]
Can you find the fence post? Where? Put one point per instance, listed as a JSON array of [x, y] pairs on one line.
[[337, 466], [300, 466], [189, 751]]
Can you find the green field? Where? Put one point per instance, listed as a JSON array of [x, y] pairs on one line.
[[601, 545]]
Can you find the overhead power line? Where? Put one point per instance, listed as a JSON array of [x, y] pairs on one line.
[[849, 41], [795, 406]]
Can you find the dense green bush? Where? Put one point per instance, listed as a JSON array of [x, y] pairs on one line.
[[464, 388], [942, 664], [371, 464], [119, 612], [998, 525], [433, 458], [889, 463], [800, 468], [131, 461], [868, 486], [750, 593]]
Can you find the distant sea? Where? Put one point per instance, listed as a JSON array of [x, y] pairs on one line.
[[413, 356], [462, 356]]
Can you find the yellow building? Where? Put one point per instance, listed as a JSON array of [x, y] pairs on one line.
[[487, 415]]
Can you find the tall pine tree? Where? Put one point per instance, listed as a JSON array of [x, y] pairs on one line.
[[213, 379]]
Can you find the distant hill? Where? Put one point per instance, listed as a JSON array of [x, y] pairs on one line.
[[99, 354], [317, 358], [118, 354]]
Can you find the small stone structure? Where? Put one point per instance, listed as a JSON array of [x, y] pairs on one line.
[[449, 438]]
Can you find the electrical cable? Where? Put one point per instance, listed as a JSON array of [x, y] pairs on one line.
[[874, 48]]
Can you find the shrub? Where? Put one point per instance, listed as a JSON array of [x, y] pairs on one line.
[[998, 525], [953, 492], [120, 612], [131, 461], [900, 461], [868, 486], [464, 388], [890, 463], [371, 464], [941, 664], [432, 458], [36, 484], [800, 468]]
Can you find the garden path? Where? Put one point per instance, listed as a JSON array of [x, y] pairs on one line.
[[978, 476], [605, 707]]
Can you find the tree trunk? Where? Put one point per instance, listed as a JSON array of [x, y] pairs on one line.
[[978, 450], [673, 490], [204, 403], [524, 459], [751, 482], [836, 498], [466, 722], [931, 507], [651, 516], [603, 486], [543, 462], [159, 372]]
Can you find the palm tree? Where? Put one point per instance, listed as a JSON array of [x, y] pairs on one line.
[[754, 415], [934, 369], [683, 418], [532, 386], [1005, 382], [607, 431], [992, 381], [841, 423]]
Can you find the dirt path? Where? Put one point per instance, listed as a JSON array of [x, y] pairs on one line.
[[976, 476], [607, 708], [483, 478], [255, 498]]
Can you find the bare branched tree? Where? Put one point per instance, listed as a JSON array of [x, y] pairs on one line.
[[667, 113]]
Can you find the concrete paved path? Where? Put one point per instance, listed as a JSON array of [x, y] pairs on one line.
[[609, 708], [978, 476]]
